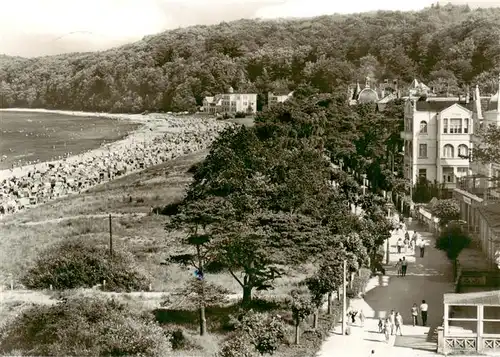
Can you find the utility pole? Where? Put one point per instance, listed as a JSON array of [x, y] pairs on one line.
[[344, 300], [110, 237]]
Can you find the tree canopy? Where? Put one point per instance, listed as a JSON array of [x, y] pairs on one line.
[[445, 46]]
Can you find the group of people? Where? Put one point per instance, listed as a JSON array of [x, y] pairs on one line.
[[394, 322], [411, 243]]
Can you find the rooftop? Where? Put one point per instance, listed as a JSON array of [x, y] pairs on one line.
[[479, 298]]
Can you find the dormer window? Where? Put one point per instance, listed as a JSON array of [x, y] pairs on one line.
[[423, 127]]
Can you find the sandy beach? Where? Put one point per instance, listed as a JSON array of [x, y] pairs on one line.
[[154, 125], [160, 138]]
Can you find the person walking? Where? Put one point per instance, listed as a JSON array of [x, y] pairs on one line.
[[387, 328], [380, 325], [361, 318], [404, 266], [406, 242], [421, 245], [392, 320], [414, 314], [398, 320], [423, 311], [399, 267], [414, 239], [399, 245]]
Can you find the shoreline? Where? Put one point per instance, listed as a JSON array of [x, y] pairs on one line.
[[151, 125], [161, 138]]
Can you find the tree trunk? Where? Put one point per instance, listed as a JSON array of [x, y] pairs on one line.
[[297, 333], [315, 319], [247, 295], [330, 305], [203, 320]]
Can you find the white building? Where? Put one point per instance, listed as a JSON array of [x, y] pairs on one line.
[[437, 138], [278, 97], [230, 103]]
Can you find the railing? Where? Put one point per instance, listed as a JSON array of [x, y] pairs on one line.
[[457, 344], [479, 186]]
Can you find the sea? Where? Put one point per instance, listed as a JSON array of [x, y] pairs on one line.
[[30, 137]]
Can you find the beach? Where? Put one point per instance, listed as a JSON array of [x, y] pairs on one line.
[[161, 137]]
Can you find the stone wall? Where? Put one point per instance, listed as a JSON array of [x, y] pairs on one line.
[[44, 182]]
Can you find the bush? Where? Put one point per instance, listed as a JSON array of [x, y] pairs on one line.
[[79, 264], [453, 240], [446, 210], [359, 283], [85, 326], [240, 115]]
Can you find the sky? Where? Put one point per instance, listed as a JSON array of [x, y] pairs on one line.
[[44, 27]]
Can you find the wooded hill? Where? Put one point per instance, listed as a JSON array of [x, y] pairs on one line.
[[445, 47]]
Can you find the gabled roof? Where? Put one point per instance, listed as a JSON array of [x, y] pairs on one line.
[[438, 106], [209, 99], [458, 106], [480, 298]]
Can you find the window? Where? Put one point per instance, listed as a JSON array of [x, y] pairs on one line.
[[455, 126], [463, 151], [466, 126], [422, 174], [445, 126], [422, 150], [423, 127], [448, 151], [448, 174]]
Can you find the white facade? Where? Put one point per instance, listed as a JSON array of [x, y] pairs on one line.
[[231, 103], [277, 98], [437, 140]]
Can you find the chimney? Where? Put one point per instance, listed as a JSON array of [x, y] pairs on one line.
[[467, 95], [477, 103]]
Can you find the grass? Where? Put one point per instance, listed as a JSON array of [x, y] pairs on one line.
[[27, 234]]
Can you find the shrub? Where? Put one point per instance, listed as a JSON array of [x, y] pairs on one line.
[[79, 264], [453, 240], [446, 210], [235, 346], [85, 326], [240, 115]]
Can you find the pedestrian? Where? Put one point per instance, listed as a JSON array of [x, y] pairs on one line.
[[423, 311], [399, 244], [404, 266], [406, 243], [387, 329], [421, 245], [398, 321], [380, 325], [361, 318], [398, 266], [392, 320], [372, 353], [414, 314]]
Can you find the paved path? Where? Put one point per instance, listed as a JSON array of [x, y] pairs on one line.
[[427, 278]]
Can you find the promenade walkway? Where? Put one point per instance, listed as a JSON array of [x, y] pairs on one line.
[[428, 278]]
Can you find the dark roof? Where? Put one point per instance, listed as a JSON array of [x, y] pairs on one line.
[[491, 214], [480, 298], [368, 95], [438, 106]]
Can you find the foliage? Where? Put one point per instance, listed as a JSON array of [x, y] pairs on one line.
[[488, 149], [301, 307], [196, 293], [446, 210], [445, 46], [78, 263], [236, 346], [263, 331], [85, 326], [453, 240], [359, 283], [424, 191]]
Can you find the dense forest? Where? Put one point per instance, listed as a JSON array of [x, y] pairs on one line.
[[444, 46]]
